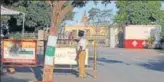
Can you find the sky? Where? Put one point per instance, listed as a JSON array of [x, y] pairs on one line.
[[162, 4], [80, 11]]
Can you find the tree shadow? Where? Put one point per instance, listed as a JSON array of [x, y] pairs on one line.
[[152, 65], [105, 60], [36, 70], [67, 71], [73, 71], [161, 51], [12, 79], [38, 73]]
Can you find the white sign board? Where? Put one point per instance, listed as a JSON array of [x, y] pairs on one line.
[[67, 56], [21, 51], [141, 32]]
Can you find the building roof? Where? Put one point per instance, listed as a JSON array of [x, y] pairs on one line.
[[79, 24], [6, 11]]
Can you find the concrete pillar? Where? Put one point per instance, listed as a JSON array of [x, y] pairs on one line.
[[112, 38]]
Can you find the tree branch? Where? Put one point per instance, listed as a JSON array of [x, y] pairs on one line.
[[48, 2], [61, 4], [58, 14], [63, 13], [57, 9]]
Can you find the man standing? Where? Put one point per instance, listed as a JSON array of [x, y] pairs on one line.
[[121, 38], [71, 38], [81, 54]]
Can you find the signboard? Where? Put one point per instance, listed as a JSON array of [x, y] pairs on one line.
[[67, 56], [19, 51]]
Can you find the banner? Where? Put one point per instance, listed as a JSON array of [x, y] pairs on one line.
[[19, 51], [67, 56]]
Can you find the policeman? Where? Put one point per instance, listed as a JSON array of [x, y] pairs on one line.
[[81, 54]]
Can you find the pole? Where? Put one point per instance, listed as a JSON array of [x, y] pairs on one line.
[[23, 25], [95, 59]]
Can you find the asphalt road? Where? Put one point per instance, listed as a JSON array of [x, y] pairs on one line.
[[113, 65]]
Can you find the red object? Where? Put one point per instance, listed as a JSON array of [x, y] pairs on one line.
[[135, 43]]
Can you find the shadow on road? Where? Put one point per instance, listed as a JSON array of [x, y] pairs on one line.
[[38, 73], [66, 71], [109, 61], [12, 79], [36, 70], [105, 60], [69, 71], [161, 51], [152, 65]]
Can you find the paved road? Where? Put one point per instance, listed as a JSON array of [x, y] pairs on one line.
[[114, 65]]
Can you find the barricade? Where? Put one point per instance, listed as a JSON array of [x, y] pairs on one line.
[[65, 51]]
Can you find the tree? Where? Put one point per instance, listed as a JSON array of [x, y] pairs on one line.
[[161, 22], [59, 10], [62, 7], [37, 13], [98, 18], [138, 12]]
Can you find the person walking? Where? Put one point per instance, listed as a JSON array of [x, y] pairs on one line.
[[81, 54]]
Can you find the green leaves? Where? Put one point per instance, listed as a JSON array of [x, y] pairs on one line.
[[70, 16], [79, 3], [138, 12], [37, 13], [99, 17]]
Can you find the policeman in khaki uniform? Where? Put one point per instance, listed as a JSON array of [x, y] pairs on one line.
[[81, 54]]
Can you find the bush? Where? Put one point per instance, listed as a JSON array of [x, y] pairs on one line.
[[150, 42], [15, 36]]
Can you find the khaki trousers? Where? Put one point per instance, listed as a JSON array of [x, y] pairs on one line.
[[81, 62]]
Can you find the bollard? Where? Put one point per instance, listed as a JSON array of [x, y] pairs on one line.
[[95, 59]]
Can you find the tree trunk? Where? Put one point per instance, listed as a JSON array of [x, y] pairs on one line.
[[56, 19]]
